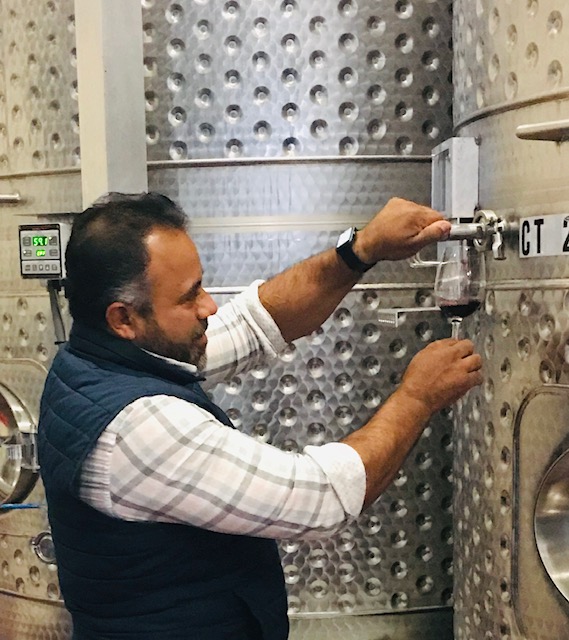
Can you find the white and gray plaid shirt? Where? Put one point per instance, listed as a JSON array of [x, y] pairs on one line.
[[165, 459]]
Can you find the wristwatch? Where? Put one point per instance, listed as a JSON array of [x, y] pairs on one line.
[[345, 249]]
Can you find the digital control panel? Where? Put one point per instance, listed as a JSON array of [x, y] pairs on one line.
[[42, 248]]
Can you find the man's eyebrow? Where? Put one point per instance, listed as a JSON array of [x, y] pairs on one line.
[[191, 292]]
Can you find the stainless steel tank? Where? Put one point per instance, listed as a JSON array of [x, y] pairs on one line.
[[275, 125], [511, 66]]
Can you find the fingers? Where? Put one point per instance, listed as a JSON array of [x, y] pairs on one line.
[[434, 232]]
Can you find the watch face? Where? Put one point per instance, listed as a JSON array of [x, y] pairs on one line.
[[345, 237]]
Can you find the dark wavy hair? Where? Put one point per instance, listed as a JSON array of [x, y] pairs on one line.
[[106, 257]]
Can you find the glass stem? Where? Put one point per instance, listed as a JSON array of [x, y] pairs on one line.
[[455, 324]]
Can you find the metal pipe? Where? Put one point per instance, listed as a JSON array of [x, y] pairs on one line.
[[10, 198]]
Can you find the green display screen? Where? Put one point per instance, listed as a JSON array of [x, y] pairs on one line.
[[40, 253], [40, 241]]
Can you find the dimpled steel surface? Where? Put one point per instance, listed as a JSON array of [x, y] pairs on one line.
[[236, 81], [263, 79], [511, 58]]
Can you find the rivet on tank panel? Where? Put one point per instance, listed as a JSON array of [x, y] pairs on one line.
[[431, 96], [373, 587], [343, 317], [376, 25], [424, 491], [547, 372], [398, 348], [316, 433], [348, 8], [425, 584], [404, 146], [399, 570], [203, 65], [400, 478], [489, 433], [52, 591], [234, 148], [348, 43], [447, 443], [260, 432], [260, 27], [288, 7], [291, 446], [424, 522], [232, 45], [178, 150], [175, 12], [149, 32], [554, 23], [505, 459], [431, 27], [231, 10], [261, 61], [404, 9], [294, 604], [176, 48], [506, 415], [287, 417], [404, 42], [259, 401], [489, 346], [316, 402], [430, 60], [175, 82], [235, 416], [371, 398], [234, 386], [319, 589], [346, 603], [150, 66], [291, 574], [376, 59], [206, 132], [399, 508], [554, 73], [524, 348], [42, 353], [399, 600], [152, 135], [373, 556], [489, 566], [344, 415], [348, 77], [290, 77]]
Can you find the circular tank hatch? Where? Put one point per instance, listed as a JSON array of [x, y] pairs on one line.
[[551, 523], [18, 460]]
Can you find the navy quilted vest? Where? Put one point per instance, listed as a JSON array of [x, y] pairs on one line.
[[126, 580]]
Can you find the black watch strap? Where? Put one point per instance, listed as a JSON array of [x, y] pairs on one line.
[[345, 249]]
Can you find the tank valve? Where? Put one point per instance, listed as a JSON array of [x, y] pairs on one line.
[[487, 233]]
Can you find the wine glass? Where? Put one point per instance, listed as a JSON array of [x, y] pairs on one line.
[[460, 282]]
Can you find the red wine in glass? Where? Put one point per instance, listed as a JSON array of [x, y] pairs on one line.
[[460, 283]]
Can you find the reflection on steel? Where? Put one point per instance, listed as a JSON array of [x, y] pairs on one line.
[[554, 131], [551, 523], [43, 547], [10, 198]]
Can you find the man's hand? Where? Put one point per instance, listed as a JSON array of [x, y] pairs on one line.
[[436, 377], [399, 230], [441, 373]]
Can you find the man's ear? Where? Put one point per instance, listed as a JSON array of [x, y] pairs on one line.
[[122, 320]]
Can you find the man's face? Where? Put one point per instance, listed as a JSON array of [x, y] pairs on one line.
[[180, 306]]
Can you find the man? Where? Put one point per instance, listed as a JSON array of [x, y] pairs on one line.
[[163, 515]]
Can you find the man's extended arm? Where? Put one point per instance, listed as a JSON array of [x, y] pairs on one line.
[[301, 298]]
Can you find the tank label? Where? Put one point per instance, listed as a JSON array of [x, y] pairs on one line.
[[544, 236]]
